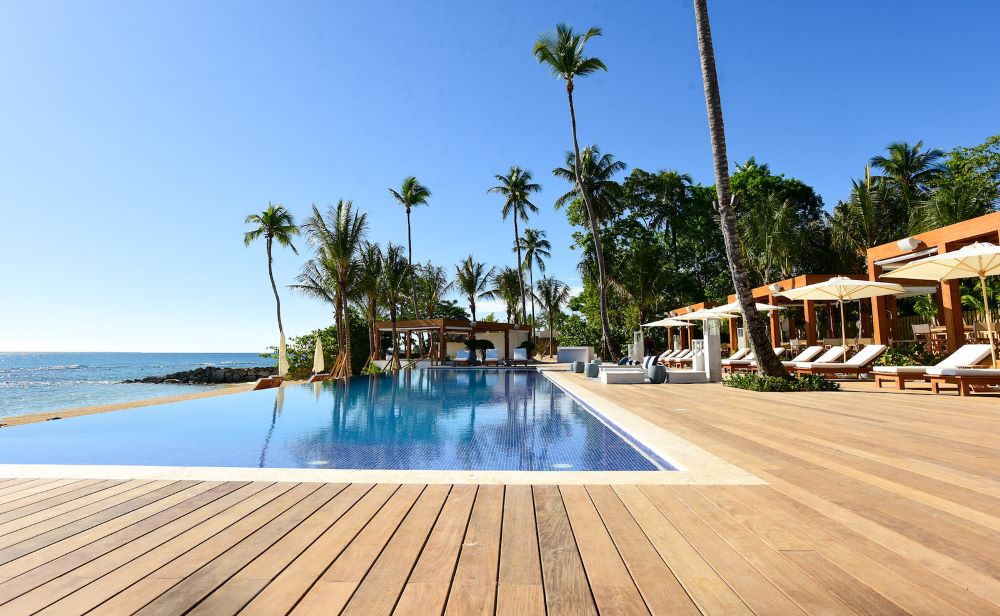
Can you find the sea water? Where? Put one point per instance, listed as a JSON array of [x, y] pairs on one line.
[[39, 382]]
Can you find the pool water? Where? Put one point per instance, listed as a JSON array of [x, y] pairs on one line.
[[413, 420]]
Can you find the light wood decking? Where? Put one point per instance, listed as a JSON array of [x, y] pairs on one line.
[[876, 503]]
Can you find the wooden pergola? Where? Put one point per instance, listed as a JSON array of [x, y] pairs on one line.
[[949, 296], [443, 327]]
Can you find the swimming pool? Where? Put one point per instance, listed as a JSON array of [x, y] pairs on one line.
[[414, 420]]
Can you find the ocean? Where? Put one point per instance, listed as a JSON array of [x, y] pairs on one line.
[[38, 382]]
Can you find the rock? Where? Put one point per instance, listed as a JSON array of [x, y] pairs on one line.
[[210, 375]]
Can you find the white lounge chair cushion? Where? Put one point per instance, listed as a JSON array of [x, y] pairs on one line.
[[987, 372], [807, 354], [832, 354], [739, 354], [612, 377], [491, 354], [901, 369], [521, 354]]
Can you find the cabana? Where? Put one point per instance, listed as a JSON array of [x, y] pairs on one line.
[[887, 257], [505, 336]]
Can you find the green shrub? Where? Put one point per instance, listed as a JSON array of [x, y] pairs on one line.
[[755, 382], [915, 354]]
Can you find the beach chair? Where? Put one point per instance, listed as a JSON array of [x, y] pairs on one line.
[[462, 357], [857, 365], [520, 357], [677, 359], [492, 358], [830, 355], [967, 355], [749, 363], [738, 355], [807, 354], [966, 379]]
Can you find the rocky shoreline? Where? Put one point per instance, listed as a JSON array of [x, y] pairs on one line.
[[210, 375]]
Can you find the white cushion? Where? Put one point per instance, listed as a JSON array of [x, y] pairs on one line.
[[988, 372], [900, 369]]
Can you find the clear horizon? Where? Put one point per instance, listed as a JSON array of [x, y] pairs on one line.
[[138, 137]]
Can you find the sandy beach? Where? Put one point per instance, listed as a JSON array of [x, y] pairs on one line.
[[224, 390]]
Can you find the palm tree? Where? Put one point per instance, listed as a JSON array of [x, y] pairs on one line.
[[370, 289], [516, 188], [410, 195], [395, 275], [767, 362], [433, 284], [536, 249], [770, 238], [562, 51], [276, 225], [950, 203], [338, 239], [910, 167], [552, 295], [864, 220], [507, 287], [673, 191], [472, 278]]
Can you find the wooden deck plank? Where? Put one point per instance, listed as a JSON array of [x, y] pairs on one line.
[[382, 585], [198, 584], [84, 561], [659, 587], [610, 582], [426, 590], [240, 589], [566, 588], [704, 585], [49, 500], [39, 492], [285, 590], [474, 586], [109, 583], [520, 589]]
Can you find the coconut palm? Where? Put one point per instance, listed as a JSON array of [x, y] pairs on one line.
[[951, 203], [516, 188], [370, 289], [338, 238], [536, 249], [770, 238], [432, 285], [472, 279], [507, 288], [910, 167], [410, 195], [767, 361], [552, 295], [673, 192], [865, 219], [395, 276], [562, 51], [276, 225]]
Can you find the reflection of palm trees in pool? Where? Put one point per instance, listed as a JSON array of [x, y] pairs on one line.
[[279, 402]]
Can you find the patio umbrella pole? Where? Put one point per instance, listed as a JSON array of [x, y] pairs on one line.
[[989, 319], [843, 330]]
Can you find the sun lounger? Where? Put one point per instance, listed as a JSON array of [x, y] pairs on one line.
[[858, 364], [520, 357], [462, 357], [682, 357], [674, 355], [267, 382], [492, 358], [749, 363], [831, 355], [968, 355], [966, 379], [738, 355], [808, 354]]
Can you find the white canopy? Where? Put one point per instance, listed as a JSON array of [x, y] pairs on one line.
[[282, 357], [666, 322], [318, 356], [843, 289], [734, 307], [704, 315], [977, 260]]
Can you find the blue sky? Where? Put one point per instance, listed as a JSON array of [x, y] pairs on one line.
[[137, 136]]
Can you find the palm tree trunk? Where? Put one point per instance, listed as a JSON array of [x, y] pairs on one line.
[[767, 361], [472, 308], [274, 287], [520, 272], [531, 283], [601, 287]]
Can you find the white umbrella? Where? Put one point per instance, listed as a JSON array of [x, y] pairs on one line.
[[704, 315], [282, 357], [665, 323], [735, 307], [843, 289], [318, 356], [977, 260]]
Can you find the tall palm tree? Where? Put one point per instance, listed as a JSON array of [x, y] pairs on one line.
[[472, 279], [864, 220], [276, 225], [338, 238], [770, 238], [673, 193], [507, 288], [767, 362], [410, 195], [395, 276], [536, 249], [910, 167], [598, 171], [562, 51], [552, 295], [950, 203], [433, 284], [516, 188], [370, 289]]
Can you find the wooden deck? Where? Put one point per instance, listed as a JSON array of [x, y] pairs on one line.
[[876, 503]]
